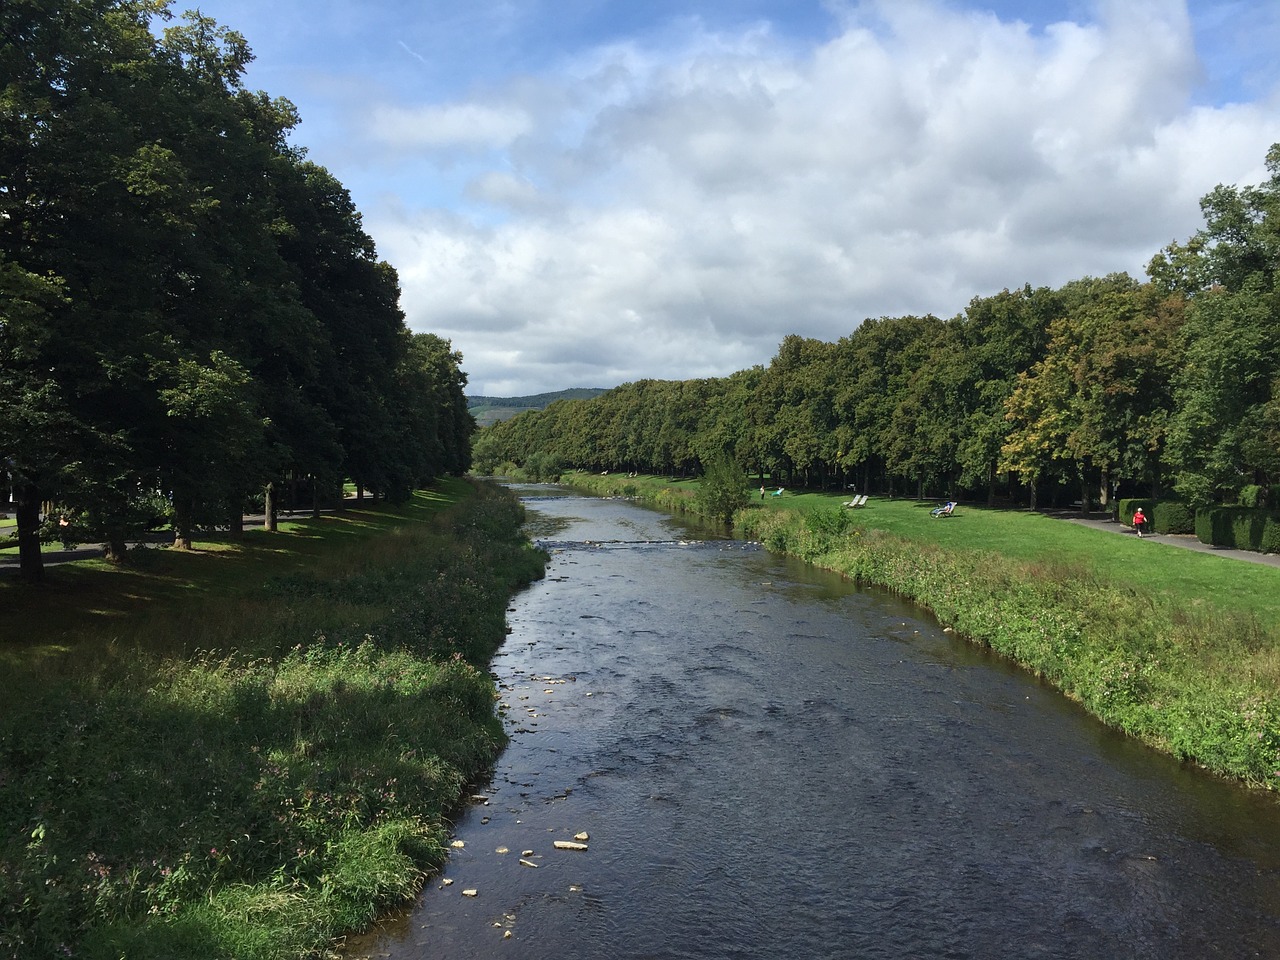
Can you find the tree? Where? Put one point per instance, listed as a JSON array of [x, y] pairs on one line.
[[1226, 394], [1002, 336], [1222, 433], [723, 488], [214, 441]]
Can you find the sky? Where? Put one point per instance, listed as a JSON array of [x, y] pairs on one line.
[[582, 193]]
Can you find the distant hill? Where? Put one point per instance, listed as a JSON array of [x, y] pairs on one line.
[[488, 410]]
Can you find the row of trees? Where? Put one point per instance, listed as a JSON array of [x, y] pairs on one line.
[[189, 308], [1109, 385]]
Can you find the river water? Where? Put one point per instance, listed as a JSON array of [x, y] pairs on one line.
[[770, 763]]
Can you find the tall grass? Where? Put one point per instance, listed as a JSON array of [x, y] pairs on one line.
[[282, 785], [1201, 685]]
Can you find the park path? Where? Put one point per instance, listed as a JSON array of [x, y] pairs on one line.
[[1185, 541]]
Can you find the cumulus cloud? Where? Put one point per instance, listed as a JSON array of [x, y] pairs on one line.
[[674, 213]]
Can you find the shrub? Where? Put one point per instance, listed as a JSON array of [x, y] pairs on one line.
[[723, 489], [1173, 516], [1240, 528], [1252, 495], [1271, 535]]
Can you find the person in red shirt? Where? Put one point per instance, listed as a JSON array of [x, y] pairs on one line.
[[1139, 520]]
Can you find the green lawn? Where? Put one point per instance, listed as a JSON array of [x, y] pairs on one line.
[[1185, 578], [90, 603]]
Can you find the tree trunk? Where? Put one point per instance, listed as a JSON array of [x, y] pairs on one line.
[[26, 503], [269, 511], [991, 484], [182, 522], [315, 498], [1084, 491], [1104, 489], [116, 548]]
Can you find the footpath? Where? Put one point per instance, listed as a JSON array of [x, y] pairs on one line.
[[1184, 541]]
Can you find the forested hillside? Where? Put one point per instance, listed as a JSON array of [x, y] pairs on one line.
[[489, 410], [190, 310], [1103, 387]]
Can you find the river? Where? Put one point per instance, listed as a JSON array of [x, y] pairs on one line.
[[767, 762]]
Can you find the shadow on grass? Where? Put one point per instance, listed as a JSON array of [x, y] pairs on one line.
[[80, 603]]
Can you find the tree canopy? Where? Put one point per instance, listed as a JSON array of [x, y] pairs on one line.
[[190, 310], [1106, 386]]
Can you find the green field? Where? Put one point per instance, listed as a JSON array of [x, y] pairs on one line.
[[248, 749], [1194, 580], [162, 595]]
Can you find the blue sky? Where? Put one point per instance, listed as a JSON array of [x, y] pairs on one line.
[[587, 192]]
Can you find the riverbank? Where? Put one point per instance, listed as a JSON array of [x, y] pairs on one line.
[[272, 758], [1179, 650]]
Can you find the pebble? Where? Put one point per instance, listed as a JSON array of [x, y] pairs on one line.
[[458, 844], [528, 863], [569, 845], [471, 893]]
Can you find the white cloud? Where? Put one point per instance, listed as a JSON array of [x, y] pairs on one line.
[[676, 214], [468, 125]]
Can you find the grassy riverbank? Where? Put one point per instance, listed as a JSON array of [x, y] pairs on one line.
[[248, 750], [1176, 648]]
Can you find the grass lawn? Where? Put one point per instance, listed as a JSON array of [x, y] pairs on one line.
[[1183, 578], [246, 749], [84, 605]]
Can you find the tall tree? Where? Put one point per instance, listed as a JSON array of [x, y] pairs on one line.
[[1002, 336], [1226, 394]]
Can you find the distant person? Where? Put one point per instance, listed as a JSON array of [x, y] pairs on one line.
[[762, 491], [1139, 520]]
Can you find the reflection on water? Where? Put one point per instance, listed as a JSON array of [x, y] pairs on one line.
[[768, 763]]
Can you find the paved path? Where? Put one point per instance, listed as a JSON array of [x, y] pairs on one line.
[[1186, 541]]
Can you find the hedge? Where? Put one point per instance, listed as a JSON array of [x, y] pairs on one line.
[[1241, 528], [1164, 516]]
